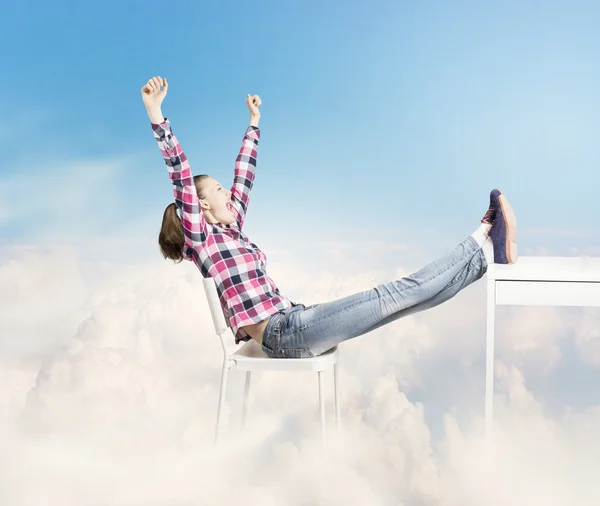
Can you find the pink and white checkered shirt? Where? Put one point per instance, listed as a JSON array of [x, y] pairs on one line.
[[247, 294]]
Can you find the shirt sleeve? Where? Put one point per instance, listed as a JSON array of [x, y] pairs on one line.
[[243, 176], [195, 230]]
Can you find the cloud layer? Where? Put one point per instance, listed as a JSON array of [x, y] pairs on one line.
[[110, 375]]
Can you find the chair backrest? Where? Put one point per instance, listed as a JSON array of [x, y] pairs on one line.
[[216, 311]]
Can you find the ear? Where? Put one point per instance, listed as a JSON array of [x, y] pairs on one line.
[[203, 204]]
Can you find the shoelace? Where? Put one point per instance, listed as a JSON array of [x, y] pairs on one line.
[[488, 217]]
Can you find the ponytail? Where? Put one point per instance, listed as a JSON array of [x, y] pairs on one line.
[[170, 238]]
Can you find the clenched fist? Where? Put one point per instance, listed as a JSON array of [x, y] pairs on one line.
[[152, 95], [253, 102]]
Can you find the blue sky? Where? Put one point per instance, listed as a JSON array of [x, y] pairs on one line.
[[385, 124], [376, 116]]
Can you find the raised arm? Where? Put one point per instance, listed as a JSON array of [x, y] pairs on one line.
[[245, 164], [194, 226]]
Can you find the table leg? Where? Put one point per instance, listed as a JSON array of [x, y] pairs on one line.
[[489, 360]]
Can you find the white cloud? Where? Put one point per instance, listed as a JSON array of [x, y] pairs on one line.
[[533, 459], [110, 374]]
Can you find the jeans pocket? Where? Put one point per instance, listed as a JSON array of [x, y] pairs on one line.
[[272, 334], [268, 351]]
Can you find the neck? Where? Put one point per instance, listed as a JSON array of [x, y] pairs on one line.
[[209, 217]]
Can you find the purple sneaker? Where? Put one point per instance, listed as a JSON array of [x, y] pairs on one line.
[[504, 233], [489, 216]]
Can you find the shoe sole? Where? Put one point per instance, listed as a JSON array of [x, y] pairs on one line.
[[510, 222]]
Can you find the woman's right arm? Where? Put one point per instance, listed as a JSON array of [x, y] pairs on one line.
[[194, 225]]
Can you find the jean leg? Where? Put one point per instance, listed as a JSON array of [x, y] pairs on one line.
[[472, 272], [322, 326]]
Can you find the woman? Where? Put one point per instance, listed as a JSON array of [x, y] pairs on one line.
[[204, 225]]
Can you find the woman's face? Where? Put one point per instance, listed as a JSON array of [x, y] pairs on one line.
[[217, 200]]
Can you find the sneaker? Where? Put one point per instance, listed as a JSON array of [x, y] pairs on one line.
[[489, 216], [504, 233]]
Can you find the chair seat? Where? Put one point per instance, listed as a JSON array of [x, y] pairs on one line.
[[250, 356]]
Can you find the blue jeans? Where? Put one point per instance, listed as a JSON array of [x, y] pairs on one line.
[[301, 331]]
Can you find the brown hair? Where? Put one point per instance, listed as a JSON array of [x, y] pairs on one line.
[[170, 238]]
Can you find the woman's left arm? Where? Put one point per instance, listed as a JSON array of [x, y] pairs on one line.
[[245, 164]]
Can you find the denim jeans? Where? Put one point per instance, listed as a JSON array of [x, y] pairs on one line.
[[301, 331]]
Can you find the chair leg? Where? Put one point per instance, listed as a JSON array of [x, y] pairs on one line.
[[322, 409], [221, 399], [245, 404], [335, 392]]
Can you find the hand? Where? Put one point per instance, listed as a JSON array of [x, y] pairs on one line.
[[152, 95], [253, 102]]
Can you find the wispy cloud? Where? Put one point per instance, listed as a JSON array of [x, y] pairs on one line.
[[58, 200]]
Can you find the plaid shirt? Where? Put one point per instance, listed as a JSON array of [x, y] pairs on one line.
[[247, 294]]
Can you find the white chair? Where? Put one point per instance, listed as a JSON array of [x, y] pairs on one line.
[[251, 357]]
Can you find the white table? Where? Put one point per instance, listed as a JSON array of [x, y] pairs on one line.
[[536, 281]]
